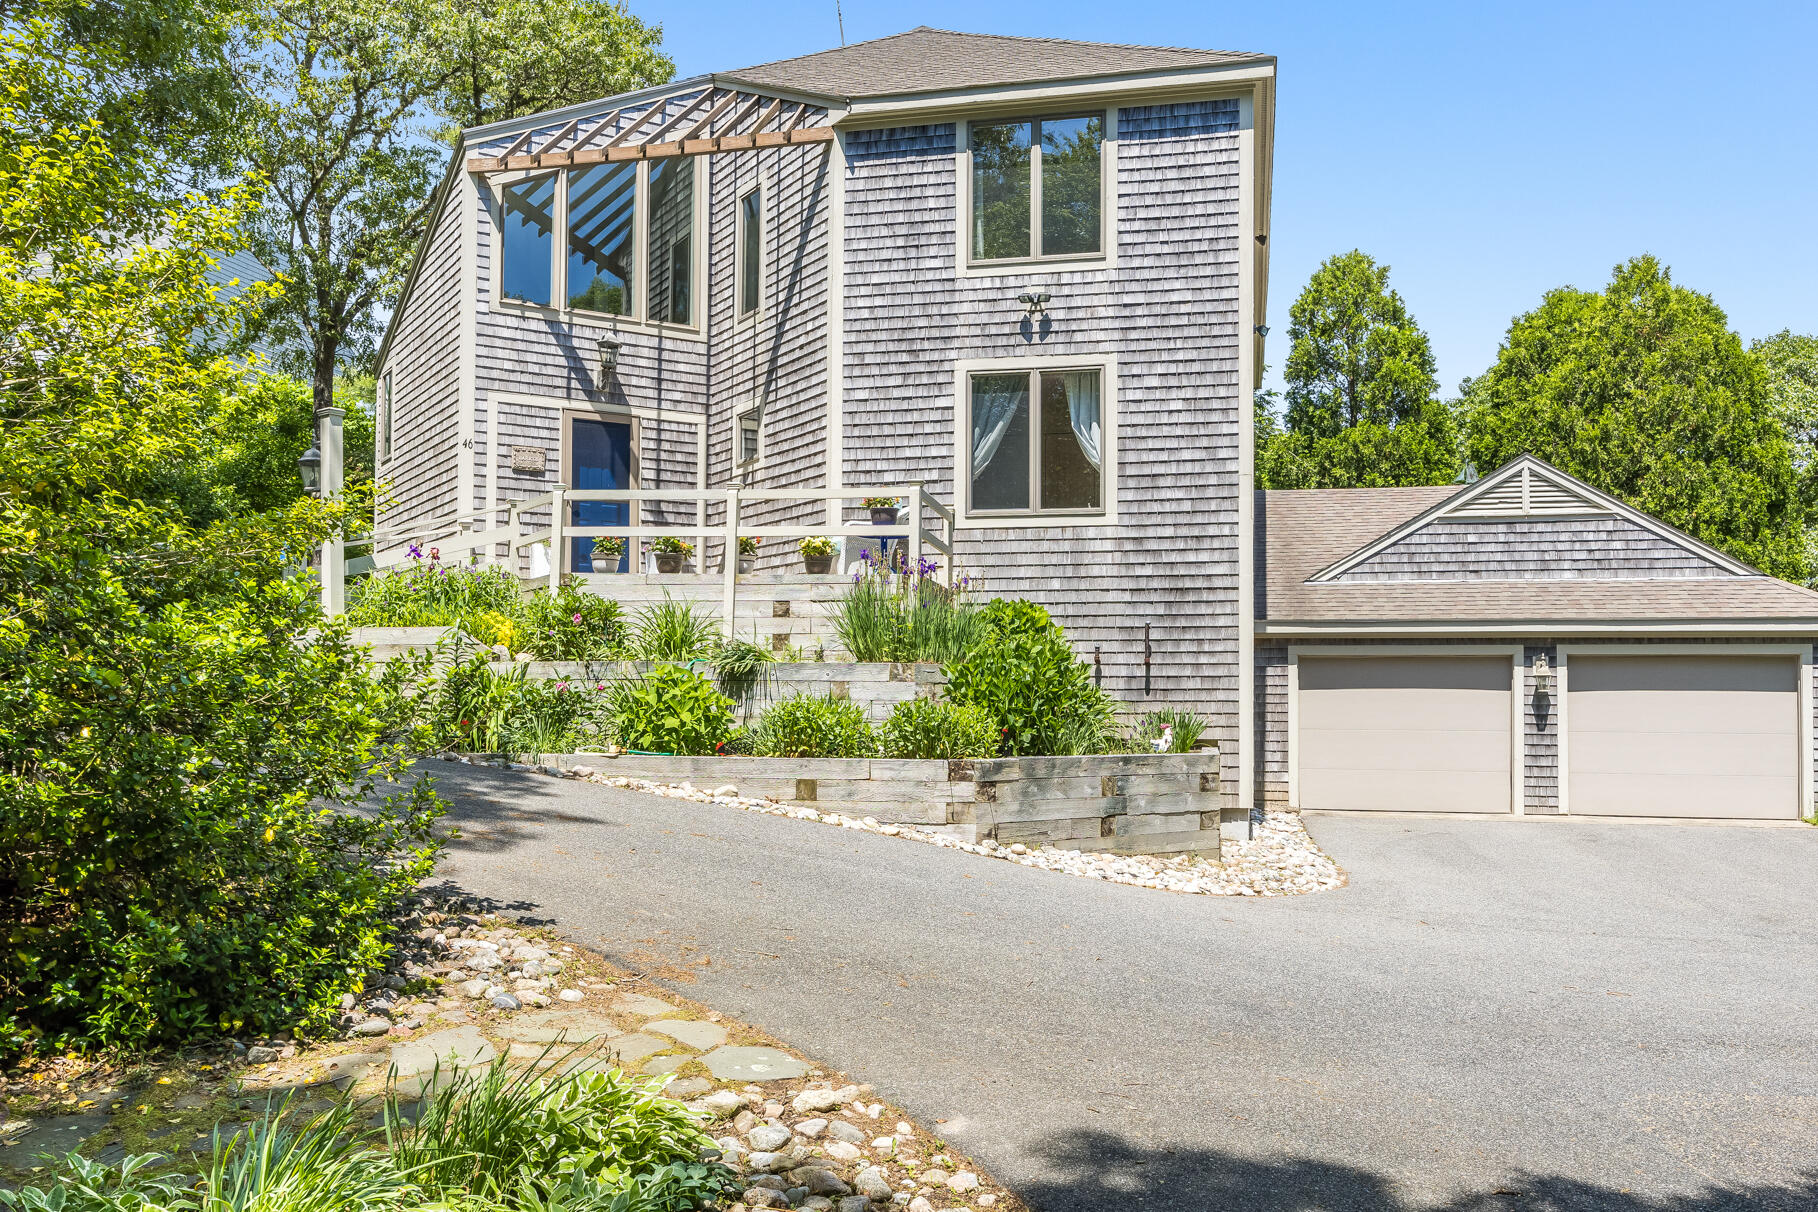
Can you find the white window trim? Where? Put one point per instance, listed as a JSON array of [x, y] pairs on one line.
[[1106, 258], [640, 236], [754, 413], [963, 370], [762, 190]]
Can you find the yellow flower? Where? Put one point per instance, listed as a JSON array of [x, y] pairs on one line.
[[164, 1081], [270, 833]]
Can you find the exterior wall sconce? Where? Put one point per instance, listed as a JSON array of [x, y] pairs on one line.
[[1543, 677], [309, 467], [609, 361], [1034, 301], [1262, 330]]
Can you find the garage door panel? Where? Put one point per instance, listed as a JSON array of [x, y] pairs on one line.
[[1395, 791], [1683, 735], [1407, 749], [1747, 797], [1410, 734]]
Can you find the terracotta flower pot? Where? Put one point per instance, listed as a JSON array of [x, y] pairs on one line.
[[817, 565], [883, 517], [669, 561]]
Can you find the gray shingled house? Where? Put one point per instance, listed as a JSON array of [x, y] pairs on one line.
[[1019, 284]]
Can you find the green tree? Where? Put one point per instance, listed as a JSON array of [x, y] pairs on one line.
[[1642, 390], [179, 726], [1791, 362], [1362, 406], [346, 99]]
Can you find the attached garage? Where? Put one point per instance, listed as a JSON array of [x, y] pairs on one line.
[[1406, 733], [1682, 735]]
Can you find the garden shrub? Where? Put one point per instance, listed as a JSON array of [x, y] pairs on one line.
[[889, 616], [674, 631], [1039, 698], [934, 728], [572, 625], [1187, 726], [813, 726], [1016, 616], [671, 709], [740, 665], [428, 593]]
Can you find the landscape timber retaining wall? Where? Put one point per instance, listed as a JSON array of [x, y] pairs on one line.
[[877, 686], [1141, 803]]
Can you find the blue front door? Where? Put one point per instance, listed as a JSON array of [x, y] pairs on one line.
[[599, 457]]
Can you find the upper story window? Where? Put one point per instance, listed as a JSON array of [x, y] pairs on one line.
[[751, 251], [1037, 188], [626, 232], [1035, 442], [385, 416]]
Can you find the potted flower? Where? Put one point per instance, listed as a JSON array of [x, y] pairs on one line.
[[606, 554], [817, 554], [748, 549], [670, 552], [883, 510]]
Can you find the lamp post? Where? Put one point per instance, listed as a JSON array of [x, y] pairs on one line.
[[320, 469]]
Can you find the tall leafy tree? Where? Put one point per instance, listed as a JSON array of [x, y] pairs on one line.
[[1362, 406], [1642, 390], [347, 99], [1790, 361]]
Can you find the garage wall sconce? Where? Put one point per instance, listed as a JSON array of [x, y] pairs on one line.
[[609, 361], [1543, 677]]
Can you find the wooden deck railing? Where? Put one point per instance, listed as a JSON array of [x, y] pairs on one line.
[[925, 525]]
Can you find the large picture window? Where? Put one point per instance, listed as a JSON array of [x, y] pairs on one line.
[[1036, 442], [1037, 188], [626, 236]]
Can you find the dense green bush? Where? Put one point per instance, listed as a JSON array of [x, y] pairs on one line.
[[1016, 616], [571, 625], [1039, 698], [487, 603], [933, 728], [670, 710], [813, 726]]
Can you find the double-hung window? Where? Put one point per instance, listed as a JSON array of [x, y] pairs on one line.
[[1034, 443], [1037, 188], [625, 232]]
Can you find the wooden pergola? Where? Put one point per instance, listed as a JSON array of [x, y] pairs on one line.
[[710, 118]]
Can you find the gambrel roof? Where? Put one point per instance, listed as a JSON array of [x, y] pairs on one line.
[[1527, 544], [926, 60]]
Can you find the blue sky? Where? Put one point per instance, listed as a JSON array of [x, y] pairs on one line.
[[1487, 153]]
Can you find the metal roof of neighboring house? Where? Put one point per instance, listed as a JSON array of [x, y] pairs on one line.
[[925, 60], [1300, 532]]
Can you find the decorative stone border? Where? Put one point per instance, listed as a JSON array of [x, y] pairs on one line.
[[1138, 803]]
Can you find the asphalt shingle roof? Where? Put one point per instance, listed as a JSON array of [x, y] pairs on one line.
[[925, 60], [1300, 532]]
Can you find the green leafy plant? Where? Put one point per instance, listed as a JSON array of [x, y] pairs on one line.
[[813, 726], [671, 709], [935, 728], [473, 705], [1041, 700], [889, 617], [317, 1165], [1016, 616], [608, 549], [427, 593], [740, 665], [1187, 729], [80, 1185], [572, 625], [880, 503], [748, 544], [670, 545], [817, 546], [673, 631]]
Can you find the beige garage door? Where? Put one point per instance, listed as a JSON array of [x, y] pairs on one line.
[[1404, 734], [1700, 736]]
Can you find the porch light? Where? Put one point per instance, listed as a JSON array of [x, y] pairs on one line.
[[1262, 330], [310, 468], [609, 360], [1543, 676], [1034, 300]]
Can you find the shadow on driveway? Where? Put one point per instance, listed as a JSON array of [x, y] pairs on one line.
[[1100, 1170]]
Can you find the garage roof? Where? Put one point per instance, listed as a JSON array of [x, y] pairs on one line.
[[1302, 537]]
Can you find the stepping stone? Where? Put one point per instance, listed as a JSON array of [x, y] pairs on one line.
[[753, 1065], [646, 1007], [658, 1065], [558, 1027], [687, 1087], [59, 1136], [461, 1048], [697, 1035], [345, 1069], [630, 1049]]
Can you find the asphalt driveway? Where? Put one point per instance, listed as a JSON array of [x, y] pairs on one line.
[[1494, 1015]]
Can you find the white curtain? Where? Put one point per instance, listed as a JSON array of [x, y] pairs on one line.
[[995, 400], [1082, 406]]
